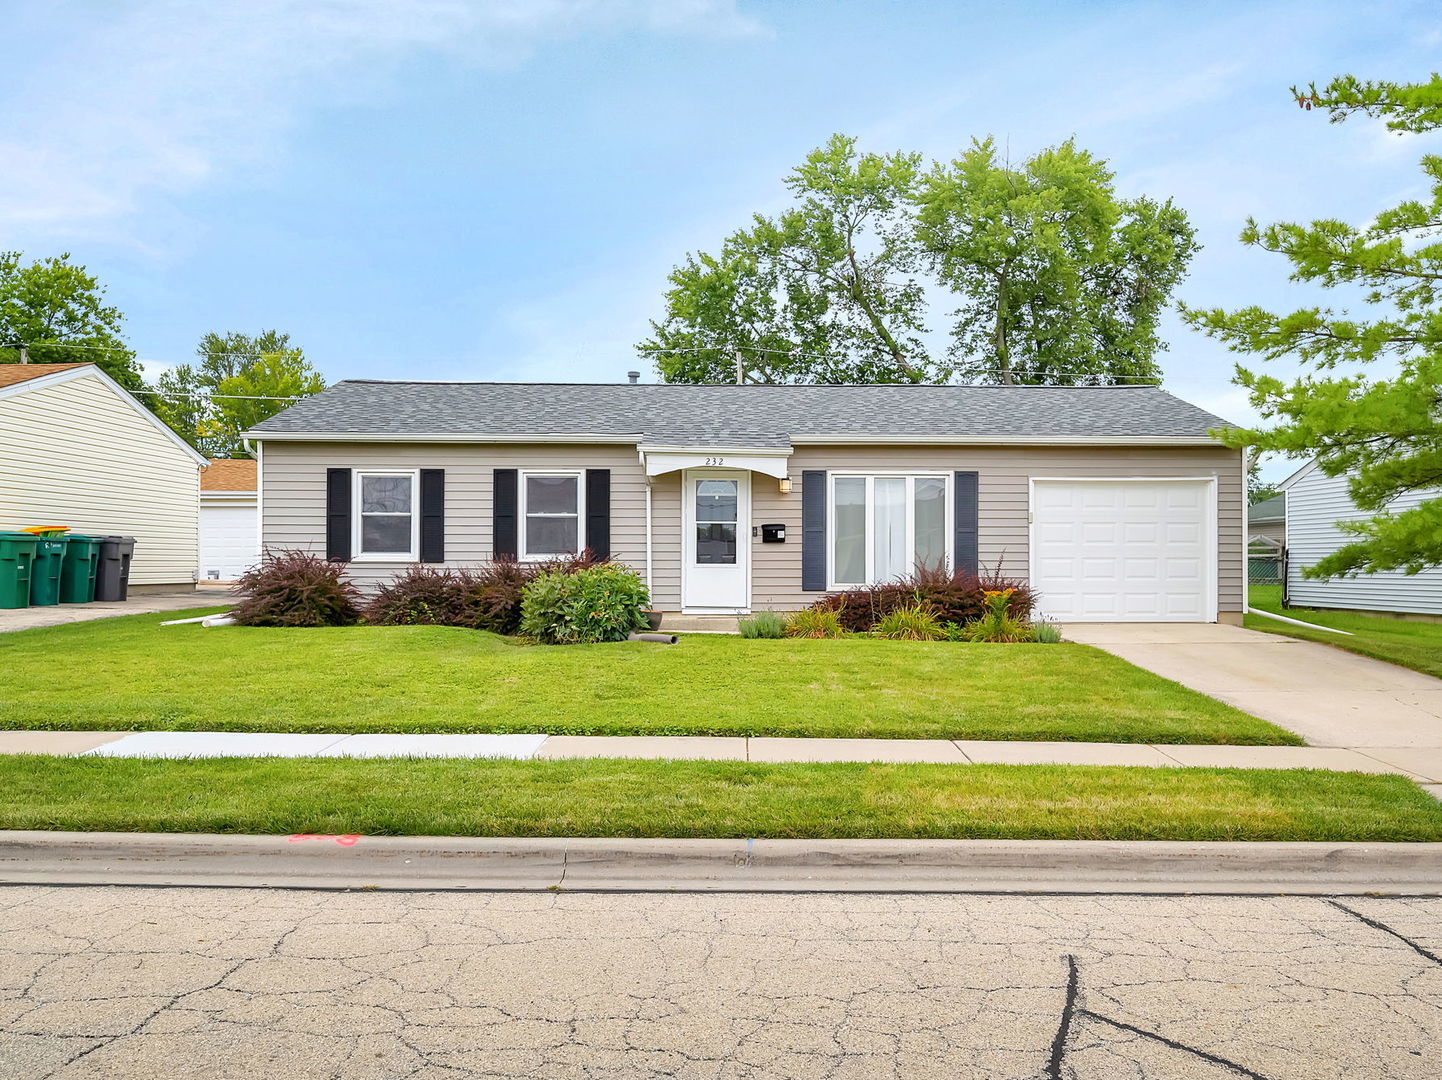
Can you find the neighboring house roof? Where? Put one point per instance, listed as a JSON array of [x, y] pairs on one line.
[[19, 379], [229, 474], [1273, 509], [743, 416], [10, 374]]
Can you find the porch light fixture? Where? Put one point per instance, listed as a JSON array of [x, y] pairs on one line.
[[785, 484]]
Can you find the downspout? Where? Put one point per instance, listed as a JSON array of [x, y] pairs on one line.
[[648, 541]]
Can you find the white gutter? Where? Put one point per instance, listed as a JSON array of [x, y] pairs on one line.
[[1298, 622], [433, 437], [797, 440]]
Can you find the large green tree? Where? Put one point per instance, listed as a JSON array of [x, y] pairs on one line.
[[1056, 279], [57, 310], [238, 381], [1053, 278], [824, 292], [1368, 401]]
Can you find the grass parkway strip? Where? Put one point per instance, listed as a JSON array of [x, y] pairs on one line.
[[615, 798], [132, 674]]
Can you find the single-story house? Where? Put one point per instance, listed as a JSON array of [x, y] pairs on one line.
[[1115, 503], [1316, 505], [78, 450], [1267, 522], [229, 519]]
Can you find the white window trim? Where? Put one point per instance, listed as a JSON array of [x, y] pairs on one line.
[[948, 518], [356, 484], [523, 539]]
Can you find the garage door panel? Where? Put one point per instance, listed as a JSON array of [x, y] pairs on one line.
[[1135, 551]]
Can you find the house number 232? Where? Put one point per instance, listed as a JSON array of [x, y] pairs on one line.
[[715, 461]]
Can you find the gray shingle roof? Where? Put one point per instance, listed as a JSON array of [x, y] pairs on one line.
[[690, 415]]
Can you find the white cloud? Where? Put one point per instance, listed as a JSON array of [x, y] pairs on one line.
[[159, 97]]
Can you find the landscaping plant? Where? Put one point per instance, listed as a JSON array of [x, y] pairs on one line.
[[814, 623], [488, 597], [911, 623], [764, 624], [1046, 633], [418, 596], [998, 623], [296, 588], [604, 602], [955, 596]]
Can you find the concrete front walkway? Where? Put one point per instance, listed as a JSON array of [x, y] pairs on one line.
[[1327, 696], [31, 618], [1422, 765]]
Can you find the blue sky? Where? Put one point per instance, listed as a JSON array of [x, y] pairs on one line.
[[497, 190]]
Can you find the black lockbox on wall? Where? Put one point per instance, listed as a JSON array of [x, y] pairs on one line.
[[773, 534]]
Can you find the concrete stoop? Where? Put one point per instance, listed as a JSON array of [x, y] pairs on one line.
[[679, 623]]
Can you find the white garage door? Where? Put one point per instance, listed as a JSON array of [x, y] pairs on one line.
[[1123, 550], [228, 542]]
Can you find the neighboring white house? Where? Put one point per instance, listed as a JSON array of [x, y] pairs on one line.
[[1316, 503], [229, 519], [76, 449]]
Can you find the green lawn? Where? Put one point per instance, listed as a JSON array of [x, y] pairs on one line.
[[600, 797], [1416, 645], [130, 674]]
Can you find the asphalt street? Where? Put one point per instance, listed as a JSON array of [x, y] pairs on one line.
[[256, 983]]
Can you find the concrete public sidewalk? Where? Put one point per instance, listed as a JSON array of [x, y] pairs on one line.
[[1422, 765], [737, 865]]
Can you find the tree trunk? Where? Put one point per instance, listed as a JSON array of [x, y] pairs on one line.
[[1003, 354]]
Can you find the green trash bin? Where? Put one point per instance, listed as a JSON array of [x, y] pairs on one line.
[[77, 571], [45, 576], [17, 559]]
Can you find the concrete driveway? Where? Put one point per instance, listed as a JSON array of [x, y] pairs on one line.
[[31, 618], [1327, 696], [254, 984]]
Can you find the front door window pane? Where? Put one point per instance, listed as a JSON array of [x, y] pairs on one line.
[[930, 522], [889, 499], [716, 522], [849, 500]]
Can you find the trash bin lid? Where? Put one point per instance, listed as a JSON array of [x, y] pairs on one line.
[[31, 537]]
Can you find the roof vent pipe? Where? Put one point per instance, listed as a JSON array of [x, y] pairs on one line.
[[633, 376]]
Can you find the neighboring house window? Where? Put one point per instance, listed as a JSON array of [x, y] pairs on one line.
[[385, 517], [550, 514], [885, 526]]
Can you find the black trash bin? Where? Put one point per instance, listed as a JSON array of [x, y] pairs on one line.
[[112, 579]]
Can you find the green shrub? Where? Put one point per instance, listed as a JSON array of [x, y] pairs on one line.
[[488, 597], [605, 602], [910, 623], [764, 624], [418, 596], [812, 623], [998, 623], [296, 588], [1046, 633]]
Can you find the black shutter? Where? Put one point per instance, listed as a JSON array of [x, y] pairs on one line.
[[433, 515], [968, 533], [813, 530], [598, 512], [337, 515], [503, 515]]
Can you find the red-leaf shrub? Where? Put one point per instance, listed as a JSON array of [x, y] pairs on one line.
[[296, 588], [488, 597], [420, 595], [954, 597]]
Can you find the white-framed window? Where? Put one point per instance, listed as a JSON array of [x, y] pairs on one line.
[[552, 508], [884, 526], [385, 517]]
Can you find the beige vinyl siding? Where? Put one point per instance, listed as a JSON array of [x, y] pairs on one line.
[[76, 454], [293, 492], [294, 500], [1003, 487]]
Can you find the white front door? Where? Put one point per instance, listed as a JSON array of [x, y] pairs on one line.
[[716, 541], [1124, 550]]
